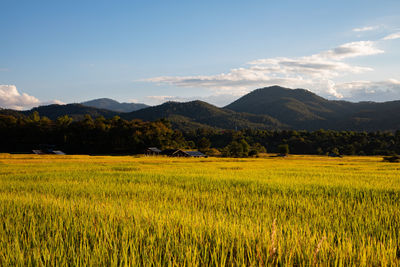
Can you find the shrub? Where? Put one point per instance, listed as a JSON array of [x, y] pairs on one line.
[[283, 149]]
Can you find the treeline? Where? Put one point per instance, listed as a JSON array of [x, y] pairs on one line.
[[321, 142], [87, 136], [119, 136]]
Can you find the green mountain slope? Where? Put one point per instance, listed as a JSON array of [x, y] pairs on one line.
[[267, 108], [76, 111], [200, 113], [302, 109]]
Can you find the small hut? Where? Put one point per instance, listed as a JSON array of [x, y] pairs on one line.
[[152, 151], [47, 152], [182, 153], [195, 154]]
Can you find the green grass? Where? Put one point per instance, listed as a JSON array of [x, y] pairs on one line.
[[300, 210]]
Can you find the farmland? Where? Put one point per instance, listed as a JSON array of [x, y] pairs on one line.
[[300, 210]]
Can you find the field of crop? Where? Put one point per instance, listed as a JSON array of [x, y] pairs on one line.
[[300, 210]]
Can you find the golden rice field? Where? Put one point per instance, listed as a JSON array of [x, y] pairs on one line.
[[129, 211]]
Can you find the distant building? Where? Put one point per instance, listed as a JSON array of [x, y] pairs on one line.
[[196, 154], [152, 151], [38, 152], [182, 153], [179, 153], [47, 152]]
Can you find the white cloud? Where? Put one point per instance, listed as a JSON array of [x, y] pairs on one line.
[[11, 98], [370, 90], [315, 72], [219, 100], [51, 102], [356, 91], [392, 36], [133, 100], [58, 102], [159, 99], [350, 50], [364, 29]]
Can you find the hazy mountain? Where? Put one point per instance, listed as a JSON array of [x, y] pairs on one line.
[[110, 104]]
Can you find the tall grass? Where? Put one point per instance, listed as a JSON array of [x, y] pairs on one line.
[[80, 210]]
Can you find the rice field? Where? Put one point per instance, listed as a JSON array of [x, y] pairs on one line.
[[129, 211]]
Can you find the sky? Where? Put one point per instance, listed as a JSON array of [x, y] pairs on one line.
[[216, 51]]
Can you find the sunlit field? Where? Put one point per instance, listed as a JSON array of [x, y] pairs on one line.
[[299, 210]]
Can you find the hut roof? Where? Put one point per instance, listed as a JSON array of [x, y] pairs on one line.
[[154, 149], [195, 153]]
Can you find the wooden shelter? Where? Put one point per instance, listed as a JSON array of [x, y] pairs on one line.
[[47, 152], [182, 153], [196, 154], [152, 151]]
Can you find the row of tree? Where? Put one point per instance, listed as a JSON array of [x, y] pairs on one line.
[[116, 135], [321, 142]]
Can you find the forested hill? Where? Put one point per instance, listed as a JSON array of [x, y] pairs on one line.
[[199, 114], [183, 116], [267, 108], [75, 111], [302, 109]]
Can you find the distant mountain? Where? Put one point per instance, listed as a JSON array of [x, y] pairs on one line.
[[299, 107], [267, 108], [197, 114], [110, 104], [76, 111], [302, 109]]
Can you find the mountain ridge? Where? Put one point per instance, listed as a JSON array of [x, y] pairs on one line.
[[201, 112], [76, 111], [302, 109], [265, 108]]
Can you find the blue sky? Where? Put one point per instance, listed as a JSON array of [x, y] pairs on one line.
[[153, 51]]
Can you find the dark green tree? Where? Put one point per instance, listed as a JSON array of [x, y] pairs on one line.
[[283, 149], [204, 144]]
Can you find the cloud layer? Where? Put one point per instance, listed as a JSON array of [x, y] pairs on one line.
[[367, 90], [219, 100], [315, 72], [365, 29], [352, 91], [392, 36]]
